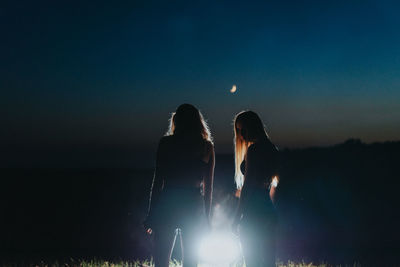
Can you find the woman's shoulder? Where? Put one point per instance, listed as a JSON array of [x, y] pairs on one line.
[[166, 141], [262, 147], [208, 151], [208, 144]]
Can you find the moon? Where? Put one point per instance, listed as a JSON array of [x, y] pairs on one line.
[[233, 88]]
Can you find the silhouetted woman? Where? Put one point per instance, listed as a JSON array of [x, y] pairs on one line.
[[182, 186], [256, 162]]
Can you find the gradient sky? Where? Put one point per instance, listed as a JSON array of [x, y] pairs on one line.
[[100, 79]]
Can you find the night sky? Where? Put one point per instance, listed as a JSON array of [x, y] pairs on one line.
[[93, 84]]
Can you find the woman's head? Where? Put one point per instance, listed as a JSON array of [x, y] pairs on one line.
[[187, 120], [248, 128]]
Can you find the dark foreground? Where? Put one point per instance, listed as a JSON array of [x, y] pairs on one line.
[[336, 205]]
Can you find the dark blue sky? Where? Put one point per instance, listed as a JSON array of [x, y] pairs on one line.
[[104, 76]]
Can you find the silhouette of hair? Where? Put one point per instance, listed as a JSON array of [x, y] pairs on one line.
[[187, 120], [252, 129]]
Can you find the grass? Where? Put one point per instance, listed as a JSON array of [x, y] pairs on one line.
[[173, 263]]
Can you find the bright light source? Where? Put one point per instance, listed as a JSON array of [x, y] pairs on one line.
[[219, 248], [275, 181], [233, 89]]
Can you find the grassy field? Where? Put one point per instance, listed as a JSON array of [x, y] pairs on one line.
[[101, 263]]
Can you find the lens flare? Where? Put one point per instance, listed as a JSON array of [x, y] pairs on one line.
[[275, 181], [219, 248]]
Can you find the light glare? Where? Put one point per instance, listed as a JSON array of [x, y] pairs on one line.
[[219, 248], [275, 181]]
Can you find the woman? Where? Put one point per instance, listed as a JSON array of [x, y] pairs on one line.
[[181, 192], [256, 162]]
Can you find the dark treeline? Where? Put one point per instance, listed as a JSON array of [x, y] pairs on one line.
[[335, 204]]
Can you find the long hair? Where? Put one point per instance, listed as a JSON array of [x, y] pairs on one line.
[[187, 120], [252, 129]]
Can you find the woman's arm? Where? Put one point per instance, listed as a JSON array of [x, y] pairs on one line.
[[158, 178], [241, 194], [209, 180], [261, 168], [248, 181]]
